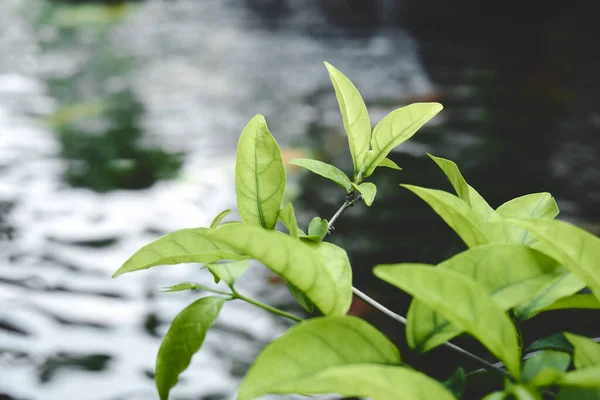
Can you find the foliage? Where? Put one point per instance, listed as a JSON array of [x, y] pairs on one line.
[[519, 262]]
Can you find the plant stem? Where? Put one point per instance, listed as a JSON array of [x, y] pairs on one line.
[[351, 199], [267, 307], [399, 317]]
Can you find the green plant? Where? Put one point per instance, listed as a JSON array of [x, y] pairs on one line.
[[519, 262]]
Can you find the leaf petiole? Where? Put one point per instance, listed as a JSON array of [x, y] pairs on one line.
[[276, 311]]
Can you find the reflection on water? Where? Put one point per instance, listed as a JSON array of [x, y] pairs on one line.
[[192, 74]]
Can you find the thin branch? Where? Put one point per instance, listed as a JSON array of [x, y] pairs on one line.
[[378, 306]]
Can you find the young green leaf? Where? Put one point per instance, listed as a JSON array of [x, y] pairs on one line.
[[585, 301], [510, 273], [228, 272], [219, 218], [522, 392], [464, 191], [495, 396], [585, 378], [535, 205], [181, 287], [457, 214], [395, 128], [386, 162], [182, 246], [325, 170], [318, 227], [288, 217], [545, 359], [312, 347], [575, 393], [301, 298], [183, 339], [294, 260], [463, 302], [259, 175], [562, 285], [575, 248], [587, 352], [368, 191], [354, 116], [373, 381]]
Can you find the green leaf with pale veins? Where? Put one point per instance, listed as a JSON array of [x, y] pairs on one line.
[[313, 347], [395, 128], [354, 116], [386, 162], [582, 301], [183, 339], [464, 190], [373, 381], [510, 273], [586, 353], [556, 341], [455, 212], [182, 246], [228, 272], [368, 191], [294, 260], [219, 218], [463, 302], [259, 175], [325, 170], [535, 205], [318, 227], [288, 217], [561, 286], [573, 247]]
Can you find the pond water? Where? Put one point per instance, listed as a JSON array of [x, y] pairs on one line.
[[186, 76]]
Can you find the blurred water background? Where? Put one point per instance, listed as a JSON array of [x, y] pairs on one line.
[[119, 122]]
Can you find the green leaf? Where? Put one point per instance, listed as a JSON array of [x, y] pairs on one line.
[[183, 339], [313, 346], [295, 261], [546, 377], [181, 287], [215, 222], [457, 383], [521, 392], [587, 352], [573, 247], [228, 272], [585, 301], [563, 285], [288, 217], [386, 162], [585, 378], [395, 128], [182, 246], [374, 381], [318, 227], [510, 273], [463, 302], [495, 396], [354, 116], [455, 212], [325, 170], [464, 191], [259, 175], [555, 341], [545, 359], [535, 205], [575, 393], [368, 191], [301, 298]]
